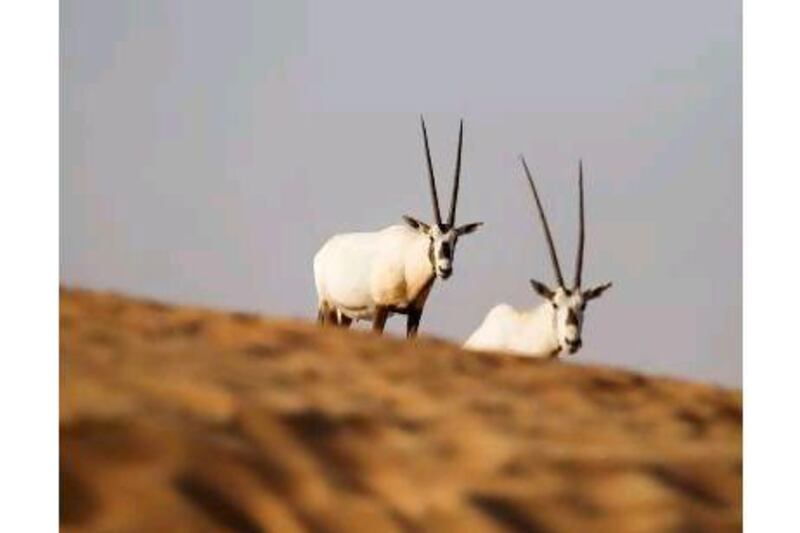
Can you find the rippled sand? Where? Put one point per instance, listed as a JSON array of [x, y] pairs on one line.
[[180, 419]]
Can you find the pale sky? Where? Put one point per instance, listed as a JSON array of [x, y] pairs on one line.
[[210, 148]]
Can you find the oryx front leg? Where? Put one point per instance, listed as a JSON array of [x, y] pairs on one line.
[[412, 325], [379, 321]]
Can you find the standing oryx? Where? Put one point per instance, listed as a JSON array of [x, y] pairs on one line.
[[368, 276], [552, 326]]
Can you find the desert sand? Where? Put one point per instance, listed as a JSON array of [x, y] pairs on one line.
[[184, 419]]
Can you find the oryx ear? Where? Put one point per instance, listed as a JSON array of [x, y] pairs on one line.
[[416, 224], [596, 292], [542, 289], [466, 229]]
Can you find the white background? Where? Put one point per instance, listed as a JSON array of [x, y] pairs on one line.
[[29, 272]]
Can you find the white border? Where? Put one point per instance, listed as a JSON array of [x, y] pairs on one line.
[[29, 274], [771, 267], [29, 266]]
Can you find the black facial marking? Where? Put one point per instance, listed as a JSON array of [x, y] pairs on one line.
[[445, 251], [572, 318]]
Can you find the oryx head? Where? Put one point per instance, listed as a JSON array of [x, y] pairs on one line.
[[568, 304], [443, 235]]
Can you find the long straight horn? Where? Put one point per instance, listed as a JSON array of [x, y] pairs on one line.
[[431, 178], [543, 218], [451, 219], [581, 230]]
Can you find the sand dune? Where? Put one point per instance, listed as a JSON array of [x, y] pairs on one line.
[[180, 419]]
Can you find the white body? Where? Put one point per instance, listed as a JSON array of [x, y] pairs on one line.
[[531, 333], [357, 272]]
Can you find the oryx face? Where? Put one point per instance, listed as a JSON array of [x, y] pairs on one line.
[[443, 242], [443, 247], [568, 310], [568, 305], [443, 235]]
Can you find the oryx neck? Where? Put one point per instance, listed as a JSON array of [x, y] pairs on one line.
[[541, 323]]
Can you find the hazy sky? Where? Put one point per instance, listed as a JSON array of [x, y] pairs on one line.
[[210, 148]]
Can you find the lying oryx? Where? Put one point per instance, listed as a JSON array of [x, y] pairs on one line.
[[554, 325], [367, 276]]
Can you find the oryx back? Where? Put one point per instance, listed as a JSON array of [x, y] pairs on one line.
[[507, 329], [356, 272]]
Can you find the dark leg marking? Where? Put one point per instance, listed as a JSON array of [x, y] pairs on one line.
[[330, 316], [412, 324], [379, 322], [345, 321], [415, 309], [326, 314]]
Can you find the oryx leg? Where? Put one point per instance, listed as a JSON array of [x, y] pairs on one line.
[[412, 324], [415, 310], [331, 316], [379, 321], [344, 320], [326, 314], [322, 313]]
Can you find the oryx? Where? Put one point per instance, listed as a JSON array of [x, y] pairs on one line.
[[555, 325], [368, 276]]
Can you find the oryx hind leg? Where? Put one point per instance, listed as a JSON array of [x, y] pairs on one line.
[[326, 314], [332, 317]]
